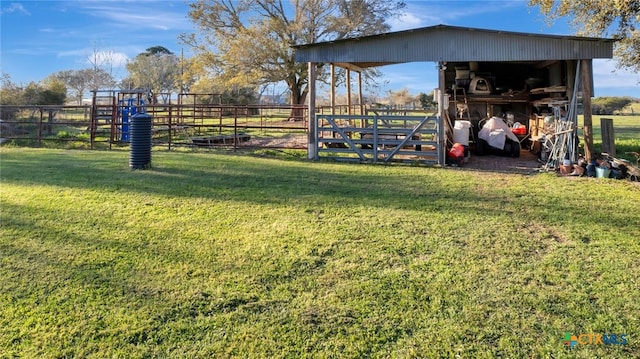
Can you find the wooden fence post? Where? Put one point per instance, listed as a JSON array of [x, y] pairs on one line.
[[608, 136], [169, 127], [586, 80], [40, 127]]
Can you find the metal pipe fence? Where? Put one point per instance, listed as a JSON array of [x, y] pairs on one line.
[[174, 125]]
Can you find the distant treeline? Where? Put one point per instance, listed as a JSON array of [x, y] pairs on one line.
[[613, 105]]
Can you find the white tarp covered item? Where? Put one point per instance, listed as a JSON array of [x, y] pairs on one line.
[[495, 131]]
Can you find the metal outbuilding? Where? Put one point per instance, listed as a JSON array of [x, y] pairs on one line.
[[515, 66]]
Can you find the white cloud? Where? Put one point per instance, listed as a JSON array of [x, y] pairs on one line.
[[14, 7], [76, 52], [406, 21], [605, 74], [88, 56], [611, 81], [117, 59], [137, 15]]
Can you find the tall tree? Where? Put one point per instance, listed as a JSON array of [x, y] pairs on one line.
[[157, 50], [101, 74], [190, 73], [10, 93], [156, 70], [426, 100], [55, 91], [249, 42], [79, 81], [401, 97], [619, 19], [50, 91]]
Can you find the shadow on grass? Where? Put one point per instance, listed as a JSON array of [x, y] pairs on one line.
[[264, 181], [228, 177]]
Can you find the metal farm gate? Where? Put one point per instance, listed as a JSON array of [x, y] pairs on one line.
[[378, 138]]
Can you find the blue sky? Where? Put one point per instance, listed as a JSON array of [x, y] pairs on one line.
[[42, 37]]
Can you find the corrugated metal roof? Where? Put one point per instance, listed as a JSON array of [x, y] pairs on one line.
[[450, 43]]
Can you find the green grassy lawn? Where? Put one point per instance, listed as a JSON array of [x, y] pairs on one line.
[[213, 255], [627, 134]]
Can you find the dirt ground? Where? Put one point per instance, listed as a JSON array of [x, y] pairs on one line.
[[527, 163], [288, 141]]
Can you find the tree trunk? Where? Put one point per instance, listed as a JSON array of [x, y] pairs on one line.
[[50, 122], [585, 73], [297, 100]]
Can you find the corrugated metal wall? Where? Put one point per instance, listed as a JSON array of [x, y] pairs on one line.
[[444, 43]]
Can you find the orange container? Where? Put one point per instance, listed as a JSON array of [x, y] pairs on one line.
[[457, 151]]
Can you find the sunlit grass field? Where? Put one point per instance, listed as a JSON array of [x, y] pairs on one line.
[[626, 130], [216, 255]]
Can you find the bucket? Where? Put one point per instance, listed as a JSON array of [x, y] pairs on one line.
[[602, 172], [461, 132], [456, 154]]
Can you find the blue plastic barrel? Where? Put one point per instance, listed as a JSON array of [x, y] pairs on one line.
[[125, 124]]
